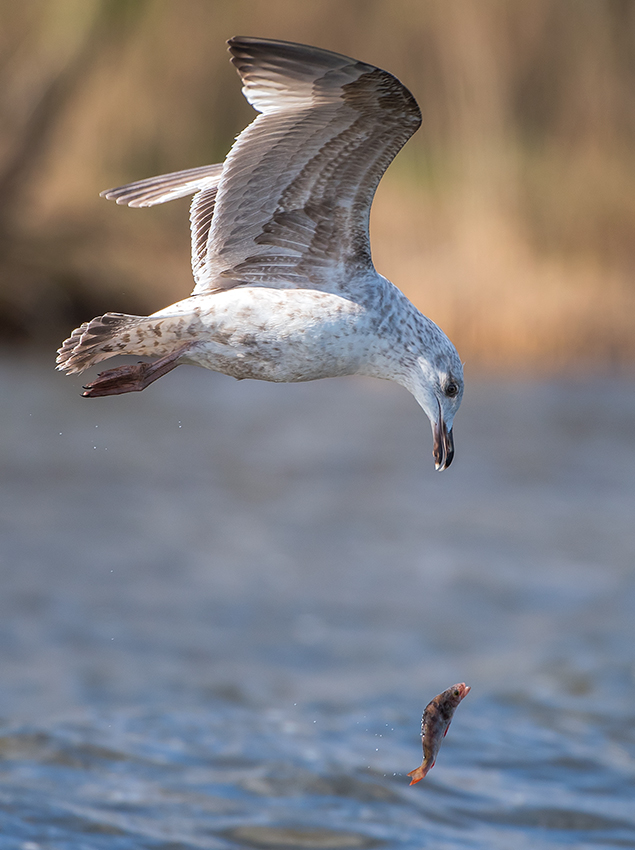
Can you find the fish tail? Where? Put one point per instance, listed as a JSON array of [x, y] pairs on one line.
[[418, 774]]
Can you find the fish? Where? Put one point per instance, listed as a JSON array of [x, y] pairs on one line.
[[435, 723]]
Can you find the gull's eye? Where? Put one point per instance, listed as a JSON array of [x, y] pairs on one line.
[[451, 389]]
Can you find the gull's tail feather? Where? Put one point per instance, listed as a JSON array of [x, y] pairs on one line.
[[102, 337]]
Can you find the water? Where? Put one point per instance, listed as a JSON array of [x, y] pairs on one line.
[[224, 606]]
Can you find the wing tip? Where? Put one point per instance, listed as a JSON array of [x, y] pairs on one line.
[[243, 47]]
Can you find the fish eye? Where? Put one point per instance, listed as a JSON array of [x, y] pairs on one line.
[[456, 693], [451, 389]]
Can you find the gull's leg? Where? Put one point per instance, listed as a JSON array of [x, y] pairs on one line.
[[134, 378]]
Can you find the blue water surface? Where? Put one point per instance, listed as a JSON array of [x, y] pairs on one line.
[[224, 606]]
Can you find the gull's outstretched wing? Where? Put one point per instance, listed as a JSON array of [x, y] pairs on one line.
[[293, 201], [165, 187]]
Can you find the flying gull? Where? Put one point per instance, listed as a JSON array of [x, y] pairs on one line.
[[285, 286]]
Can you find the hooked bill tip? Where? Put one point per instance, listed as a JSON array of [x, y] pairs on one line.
[[443, 450]]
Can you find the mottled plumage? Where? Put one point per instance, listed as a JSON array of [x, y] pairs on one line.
[[435, 723], [285, 288]]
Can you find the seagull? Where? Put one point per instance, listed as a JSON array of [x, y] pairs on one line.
[[285, 287]]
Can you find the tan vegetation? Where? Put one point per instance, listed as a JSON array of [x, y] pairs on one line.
[[509, 218]]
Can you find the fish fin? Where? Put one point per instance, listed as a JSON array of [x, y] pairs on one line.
[[418, 774]]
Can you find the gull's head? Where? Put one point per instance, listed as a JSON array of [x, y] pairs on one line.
[[438, 387]]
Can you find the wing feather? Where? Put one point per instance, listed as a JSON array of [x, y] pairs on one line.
[[165, 187], [201, 213]]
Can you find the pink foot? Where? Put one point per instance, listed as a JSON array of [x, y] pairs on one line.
[[132, 379]]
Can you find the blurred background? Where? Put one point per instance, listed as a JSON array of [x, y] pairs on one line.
[[224, 605], [508, 218]]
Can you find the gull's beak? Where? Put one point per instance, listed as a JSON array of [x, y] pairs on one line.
[[443, 450]]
